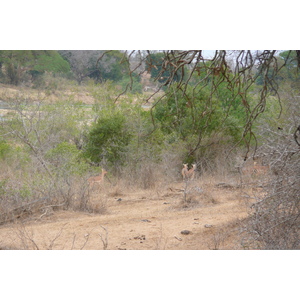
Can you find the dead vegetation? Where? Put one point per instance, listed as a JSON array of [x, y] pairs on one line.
[[116, 214], [153, 202]]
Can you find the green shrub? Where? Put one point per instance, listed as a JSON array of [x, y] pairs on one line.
[[4, 149], [108, 138]]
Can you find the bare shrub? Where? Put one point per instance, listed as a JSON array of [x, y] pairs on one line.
[[218, 163], [145, 175], [208, 198], [172, 159], [25, 237], [162, 240], [99, 205], [43, 168], [224, 236], [275, 218], [274, 223], [253, 172], [218, 239], [118, 190]]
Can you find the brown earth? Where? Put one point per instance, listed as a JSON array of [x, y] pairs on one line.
[[141, 220]]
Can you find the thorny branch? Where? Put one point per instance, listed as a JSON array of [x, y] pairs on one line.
[[296, 136]]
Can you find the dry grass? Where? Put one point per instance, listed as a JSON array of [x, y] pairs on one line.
[[146, 219], [8, 93]]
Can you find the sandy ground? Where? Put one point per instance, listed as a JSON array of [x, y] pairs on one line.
[[140, 220]]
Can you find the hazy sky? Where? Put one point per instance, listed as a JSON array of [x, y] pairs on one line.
[[208, 53]]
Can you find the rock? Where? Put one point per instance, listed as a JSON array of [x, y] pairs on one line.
[[208, 226], [224, 185], [185, 232], [120, 199]]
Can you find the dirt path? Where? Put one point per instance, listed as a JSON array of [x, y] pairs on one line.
[[145, 220]]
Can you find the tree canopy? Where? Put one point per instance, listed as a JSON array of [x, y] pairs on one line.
[[17, 63]]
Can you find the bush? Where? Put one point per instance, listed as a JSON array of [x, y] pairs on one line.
[[274, 222], [4, 149], [198, 120], [108, 138]]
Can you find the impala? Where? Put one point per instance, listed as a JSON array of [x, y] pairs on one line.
[[184, 171], [260, 169], [97, 179], [188, 174], [191, 172]]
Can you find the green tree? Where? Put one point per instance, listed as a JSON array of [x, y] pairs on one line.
[[131, 83], [51, 61], [86, 63], [19, 63], [108, 138], [113, 66], [195, 115], [160, 70], [235, 69], [290, 72], [5, 149], [83, 63]]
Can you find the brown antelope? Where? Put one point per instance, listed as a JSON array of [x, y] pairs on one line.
[[260, 169], [184, 171], [188, 174], [97, 179], [191, 172], [253, 169]]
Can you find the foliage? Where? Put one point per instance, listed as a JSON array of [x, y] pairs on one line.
[[160, 70], [290, 71], [85, 63], [19, 63], [82, 62], [51, 61], [41, 128], [65, 158], [235, 69], [104, 95], [4, 149], [45, 161], [108, 138], [147, 142], [195, 115], [131, 84], [112, 66]]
